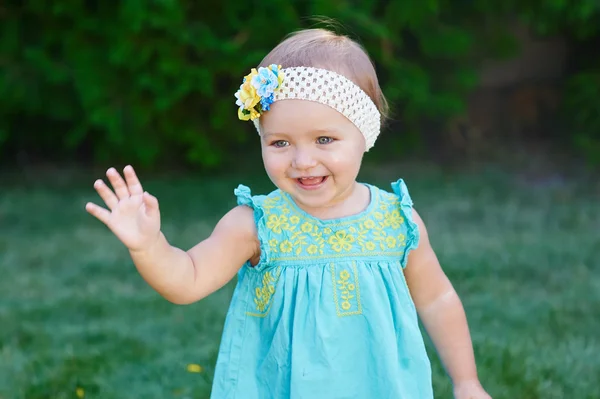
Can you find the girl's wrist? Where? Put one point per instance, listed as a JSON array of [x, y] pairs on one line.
[[148, 247], [466, 382]]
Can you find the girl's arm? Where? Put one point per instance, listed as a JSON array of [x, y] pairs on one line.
[[443, 316], [184, 277], [181, 277]]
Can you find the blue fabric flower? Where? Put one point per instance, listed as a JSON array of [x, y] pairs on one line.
[[274, 69], [265, 102], [265, 82]]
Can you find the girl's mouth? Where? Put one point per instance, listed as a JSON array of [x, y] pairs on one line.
[[311, 183]]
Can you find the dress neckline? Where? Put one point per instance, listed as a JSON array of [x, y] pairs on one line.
[[369, 208]]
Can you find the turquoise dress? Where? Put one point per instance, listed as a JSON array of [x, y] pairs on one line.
[[326, 313]]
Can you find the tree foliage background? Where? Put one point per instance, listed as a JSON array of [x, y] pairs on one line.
[[151, 82]]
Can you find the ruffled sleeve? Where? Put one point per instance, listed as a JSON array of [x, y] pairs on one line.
[[406, 209], [245, 198]]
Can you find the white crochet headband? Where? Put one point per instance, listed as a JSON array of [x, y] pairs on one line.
[[266, 85]]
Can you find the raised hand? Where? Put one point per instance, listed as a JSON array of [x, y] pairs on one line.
[[132, 215]]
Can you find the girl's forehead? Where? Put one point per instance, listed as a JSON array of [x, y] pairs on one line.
[[302, 115], [306, 121]]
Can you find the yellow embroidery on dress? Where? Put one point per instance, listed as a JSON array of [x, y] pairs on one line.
[[264, 293], [319, 242], [346, 291], [298, 240], [269, 203], [273, 244], [401, 240], [285, 246], [341, 241], [307, 227], [393, 219], [277, 223], [295, 238], [393, 254]]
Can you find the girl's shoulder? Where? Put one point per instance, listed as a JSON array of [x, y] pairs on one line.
[[259, 202]]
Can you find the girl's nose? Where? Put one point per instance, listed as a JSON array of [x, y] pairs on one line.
[[303, 159]]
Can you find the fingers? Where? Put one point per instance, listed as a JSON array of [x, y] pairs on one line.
[[118, 183], [151, 204], [99, 213], [109, 198], [135, 187]]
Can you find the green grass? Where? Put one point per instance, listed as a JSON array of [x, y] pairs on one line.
[[74, 313]]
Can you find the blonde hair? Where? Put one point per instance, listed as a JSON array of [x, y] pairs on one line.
[[321, 48]]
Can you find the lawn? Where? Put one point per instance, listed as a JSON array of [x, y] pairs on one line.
[[76, 320]]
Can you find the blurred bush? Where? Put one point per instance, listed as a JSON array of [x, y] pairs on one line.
[[150, 82]]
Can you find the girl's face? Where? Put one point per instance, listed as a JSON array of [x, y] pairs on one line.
[[312, 152]]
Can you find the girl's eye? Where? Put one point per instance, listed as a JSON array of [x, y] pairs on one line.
[[324, 140], [279, 143]]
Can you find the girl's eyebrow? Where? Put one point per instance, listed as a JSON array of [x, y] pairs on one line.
[[327, 130], [268, 134]]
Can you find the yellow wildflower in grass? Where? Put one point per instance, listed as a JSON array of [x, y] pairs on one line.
[[80, 392], [194, 368]]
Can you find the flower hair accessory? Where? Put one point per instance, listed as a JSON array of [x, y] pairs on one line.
[[257, 91], [264, 86]]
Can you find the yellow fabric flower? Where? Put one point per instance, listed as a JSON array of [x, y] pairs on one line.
[[312, 249], [393, 219], [390, 241], [247, 98], [280, 75], [277, 223], [341, 241], [285, 246], [248, 95], [306, 227], [401, 239], [247, 117]]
